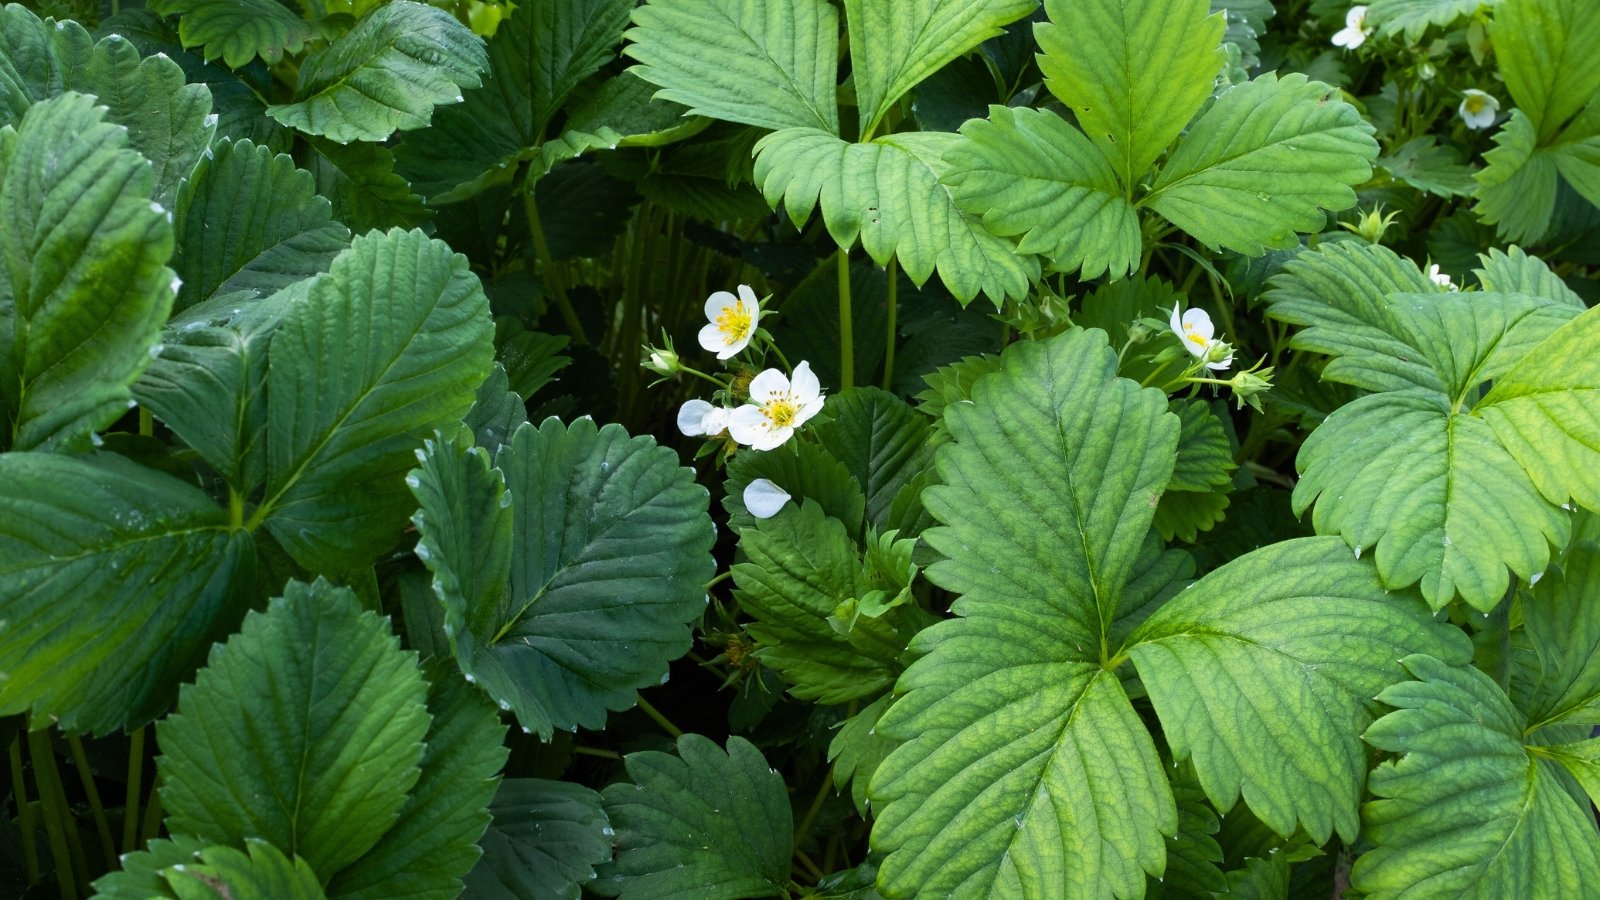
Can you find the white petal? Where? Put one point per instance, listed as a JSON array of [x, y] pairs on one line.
[[718, 302], [772, 439], [1198, 321], [806, 411], [1177, 323], [747, 425], [691, 417], [716, 421], [763, 498], [1349, 38], [1356, 17], [727, 349], [748, 295], [806, 386], [768, 383], [711, 339], [1219, 366]]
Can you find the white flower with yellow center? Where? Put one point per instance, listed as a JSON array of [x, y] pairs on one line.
[[697, 418], [733, 321], [1355, 29], [1479, 109], [1193, 327], [777, 407]]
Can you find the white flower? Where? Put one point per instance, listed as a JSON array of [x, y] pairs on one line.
[[763, 498], [776, 408], [1478, 110], [1355, 31], [733, 321], [1440, 278], [698, 418], [1194, 328]]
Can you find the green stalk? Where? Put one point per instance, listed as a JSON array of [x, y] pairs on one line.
[[152, 820], [663, 721], [130, 809], [847, 339], [547, 268], [81, 760], [893, 270], [57, 818], [30, 850]]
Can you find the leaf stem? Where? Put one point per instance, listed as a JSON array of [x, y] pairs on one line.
[[810, 817], [130, 809], [151, 828], [663, 721], [595, 751], [547, 268], [30, 850], [847, 341], [893, 271], [57, 818], [80, 759]]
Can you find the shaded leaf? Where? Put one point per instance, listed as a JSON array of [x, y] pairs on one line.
[[545, 841]]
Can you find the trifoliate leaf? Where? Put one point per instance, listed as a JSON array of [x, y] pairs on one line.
[[1427, 165], [609, 553], [1465, 808], [1031, 175], [167, 120], [701, 823], [238, 31], [389, 345], [1024, 768], [894, 46], [773, 65], [1391, 17], [1263, 162], [386, 74], [335, 743], [83, 283], [880, 439], [856, 751], [544, 844], [1263, 671], [435, 841], [888, 194], [1097, 58], [1560, 618], [114, 579], [249, 221], [801, 565]]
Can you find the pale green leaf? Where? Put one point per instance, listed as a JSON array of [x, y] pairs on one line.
[[1024, 770], [1517, 187], [1247, 22], [1205, 458], [856, 751], [880, 439], [1391, 17], [1465, 809], [894, 46], [701, 824], [388, 345], [1513, 271], [386, 74], [167, 121], [767, 63], [1560, 618], [545, 841], [1134, 72], [1263, 671], [1032, 176], [609, 555], [335, 743], [1427, 165], [888, 194], [249, 221], [114, 579], [238, 31], [83, 283], [435, 841], [1263, 162], [1545, 51]]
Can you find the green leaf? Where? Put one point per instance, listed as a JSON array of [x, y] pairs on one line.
[[389, 345], [801, 566], [537, 58], [894, 46], [1546, 411], [335, 743], [83, 283], [1024, 768], [1033, 176], [435, 841], [806, 472], [141, 875], [1427, 165], [1543, 48], [1513, 271], [1263, 162], [114, 579], [1561, 620], [1262, 673], [1391, 17], [774, 65], [386, 74], [1465, 809], [1099, 59], [360, 180], [857, 750], [880, 439], [1193, 854], [545, 842], [265, 873], [167, 121], [249, 221], [702, 823], [888, 194], [609, 555], [1517, 187], [1205, 458], [238, 31], [496, 412]]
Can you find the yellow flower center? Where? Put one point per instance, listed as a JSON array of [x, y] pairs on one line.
[[780, 411], [1475, 103], [734, 323], [1193, 336]]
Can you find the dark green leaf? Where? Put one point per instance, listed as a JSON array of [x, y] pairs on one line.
[[545, 841]]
